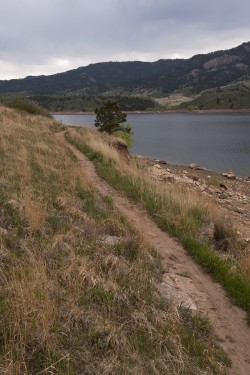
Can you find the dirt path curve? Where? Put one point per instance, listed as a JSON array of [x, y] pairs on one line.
[[183, 279]]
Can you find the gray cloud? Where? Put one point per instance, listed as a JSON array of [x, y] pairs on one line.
[[48, 36]]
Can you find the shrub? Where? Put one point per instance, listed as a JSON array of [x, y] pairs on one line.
[[25, 105]]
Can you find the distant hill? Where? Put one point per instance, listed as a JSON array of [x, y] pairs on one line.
[[232, 96], [151, 79], [99, 77]]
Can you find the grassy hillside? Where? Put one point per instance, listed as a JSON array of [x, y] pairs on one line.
[[234, 96], [78, 284], [183, 213], [22, 104]]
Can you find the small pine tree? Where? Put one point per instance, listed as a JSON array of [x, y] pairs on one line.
[[110, 119]]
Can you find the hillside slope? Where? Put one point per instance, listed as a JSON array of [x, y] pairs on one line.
[[79, 285], [183, 280], [232, 96], [164, 76]]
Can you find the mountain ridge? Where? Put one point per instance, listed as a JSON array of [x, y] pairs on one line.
[[200, 72]]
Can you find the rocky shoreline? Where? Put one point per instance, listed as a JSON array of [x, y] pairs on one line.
[[228, 192]]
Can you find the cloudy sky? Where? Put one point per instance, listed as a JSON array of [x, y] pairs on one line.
[[50, 36]]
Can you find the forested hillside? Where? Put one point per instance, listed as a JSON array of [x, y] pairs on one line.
[[134, 83]]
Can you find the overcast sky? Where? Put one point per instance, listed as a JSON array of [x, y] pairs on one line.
[[51, 36]]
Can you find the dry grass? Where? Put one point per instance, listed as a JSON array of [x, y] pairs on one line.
[[173, 100], [176, 196], [182, 212], [34, 211], [102, 144], [245, 261], [71, 301], [184, 206]]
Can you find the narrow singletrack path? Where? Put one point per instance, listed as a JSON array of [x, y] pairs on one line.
[[183, 280]]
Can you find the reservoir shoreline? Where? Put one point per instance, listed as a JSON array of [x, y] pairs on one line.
[[209, 111], [216, 141]]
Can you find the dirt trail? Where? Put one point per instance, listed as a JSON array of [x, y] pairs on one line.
[[184, 280]]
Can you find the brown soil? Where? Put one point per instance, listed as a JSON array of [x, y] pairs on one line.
[[183, 280]]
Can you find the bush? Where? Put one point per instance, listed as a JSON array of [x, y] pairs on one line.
[[25, 105]]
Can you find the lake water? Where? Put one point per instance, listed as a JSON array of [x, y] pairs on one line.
[[219, 142]]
